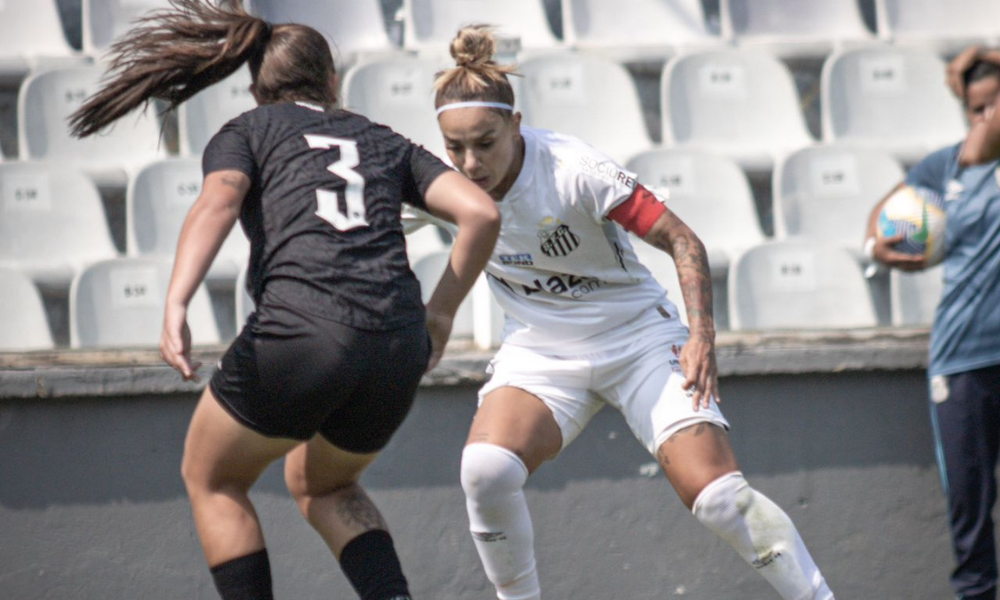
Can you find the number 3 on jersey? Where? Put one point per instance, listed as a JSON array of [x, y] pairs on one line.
[[328, 208]]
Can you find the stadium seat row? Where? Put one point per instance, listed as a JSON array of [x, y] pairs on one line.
[[31, 33], [772, 286], [741, 103]]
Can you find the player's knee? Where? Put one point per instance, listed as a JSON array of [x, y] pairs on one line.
[[491, 472], [724, 503]]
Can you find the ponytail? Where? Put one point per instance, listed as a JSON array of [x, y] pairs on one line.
[[174, 54]]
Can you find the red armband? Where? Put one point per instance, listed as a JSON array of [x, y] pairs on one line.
[[639, 212]]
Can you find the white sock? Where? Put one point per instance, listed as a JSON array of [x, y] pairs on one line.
[[493, 479], [763, 535]]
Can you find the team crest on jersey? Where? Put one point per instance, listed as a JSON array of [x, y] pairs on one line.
[[517, 260], [556, 238]]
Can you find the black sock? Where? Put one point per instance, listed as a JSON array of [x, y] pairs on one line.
[[370, 563], [244, 578]]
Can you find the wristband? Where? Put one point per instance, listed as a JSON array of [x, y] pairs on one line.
[[869, 249]]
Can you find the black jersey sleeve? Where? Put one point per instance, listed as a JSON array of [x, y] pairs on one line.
[[425, 168], [230, 149]]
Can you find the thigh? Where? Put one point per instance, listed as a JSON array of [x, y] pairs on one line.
[[694, 457], [219, 451], [391, 365], [518, 421], [644, 381], [317, 467]]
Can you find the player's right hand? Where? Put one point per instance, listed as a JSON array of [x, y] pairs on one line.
[[885, 252], [439, 326], [175, 343]]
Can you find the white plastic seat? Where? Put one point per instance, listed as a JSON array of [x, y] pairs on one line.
[[104, 21], [710, 193], [740, 103], [355, 29], [914, 297], [31, 37], [52, 222], [48, 98], [825, 193], [430, 25], [664, 271], [793, 29], [203, 115], [636, 30], [397, 92], [428, 271], [586, 96], [895, 99], [120, 302], [244, 302], [942, 27], [157, 202], [23, 322], [798, 285]]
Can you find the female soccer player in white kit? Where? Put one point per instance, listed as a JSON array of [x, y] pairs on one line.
[[587, 325]]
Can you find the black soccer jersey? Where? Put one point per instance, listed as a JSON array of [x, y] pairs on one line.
[[323, 210]]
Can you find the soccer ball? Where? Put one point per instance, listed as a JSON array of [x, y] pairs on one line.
[[917, 213]]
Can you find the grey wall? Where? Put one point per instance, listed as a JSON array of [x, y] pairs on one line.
[[92, 505]]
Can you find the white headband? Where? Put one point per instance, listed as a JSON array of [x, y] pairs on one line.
[[472, 103]]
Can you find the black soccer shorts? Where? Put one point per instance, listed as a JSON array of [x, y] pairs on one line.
[[290, 374]]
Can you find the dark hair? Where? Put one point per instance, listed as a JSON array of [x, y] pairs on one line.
[[475, 75], [980, 69], [173, 54]]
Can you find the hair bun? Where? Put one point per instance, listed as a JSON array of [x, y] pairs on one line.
[[473, 46]]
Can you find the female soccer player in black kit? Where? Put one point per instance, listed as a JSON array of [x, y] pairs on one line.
[[327, 367]]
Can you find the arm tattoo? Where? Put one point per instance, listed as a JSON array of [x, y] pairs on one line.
[[232, 182], [674, 237]]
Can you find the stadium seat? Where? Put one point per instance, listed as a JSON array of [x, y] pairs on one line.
[[23, 322], [664, 271], [740, 103], [157, 201], [894, 99], [104, 21], [428, 271], [120, 302], [397, 92], [798, 285], [710, 193], [587, 96], [45, 101], [636, 30], [430, 25], [942, 27], [355, 28], [203, 116], [53, 222], [426, 240], [825, 193], [32, 38], [244, 302], [791, 29], [914, 296]]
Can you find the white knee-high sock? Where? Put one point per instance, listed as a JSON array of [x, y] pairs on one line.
[[763, 535], [493, 479]]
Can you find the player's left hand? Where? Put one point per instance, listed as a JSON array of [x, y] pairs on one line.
[[439, 325], [700, 371]]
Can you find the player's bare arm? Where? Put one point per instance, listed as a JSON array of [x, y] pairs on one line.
[[674, 237], [206, 226]]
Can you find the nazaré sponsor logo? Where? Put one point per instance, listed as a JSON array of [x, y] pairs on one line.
[[558, 240], [517, 260]]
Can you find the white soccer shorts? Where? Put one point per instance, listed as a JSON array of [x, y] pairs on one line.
[[640, 376]]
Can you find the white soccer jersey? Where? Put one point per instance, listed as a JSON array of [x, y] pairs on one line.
[[561, 270]]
